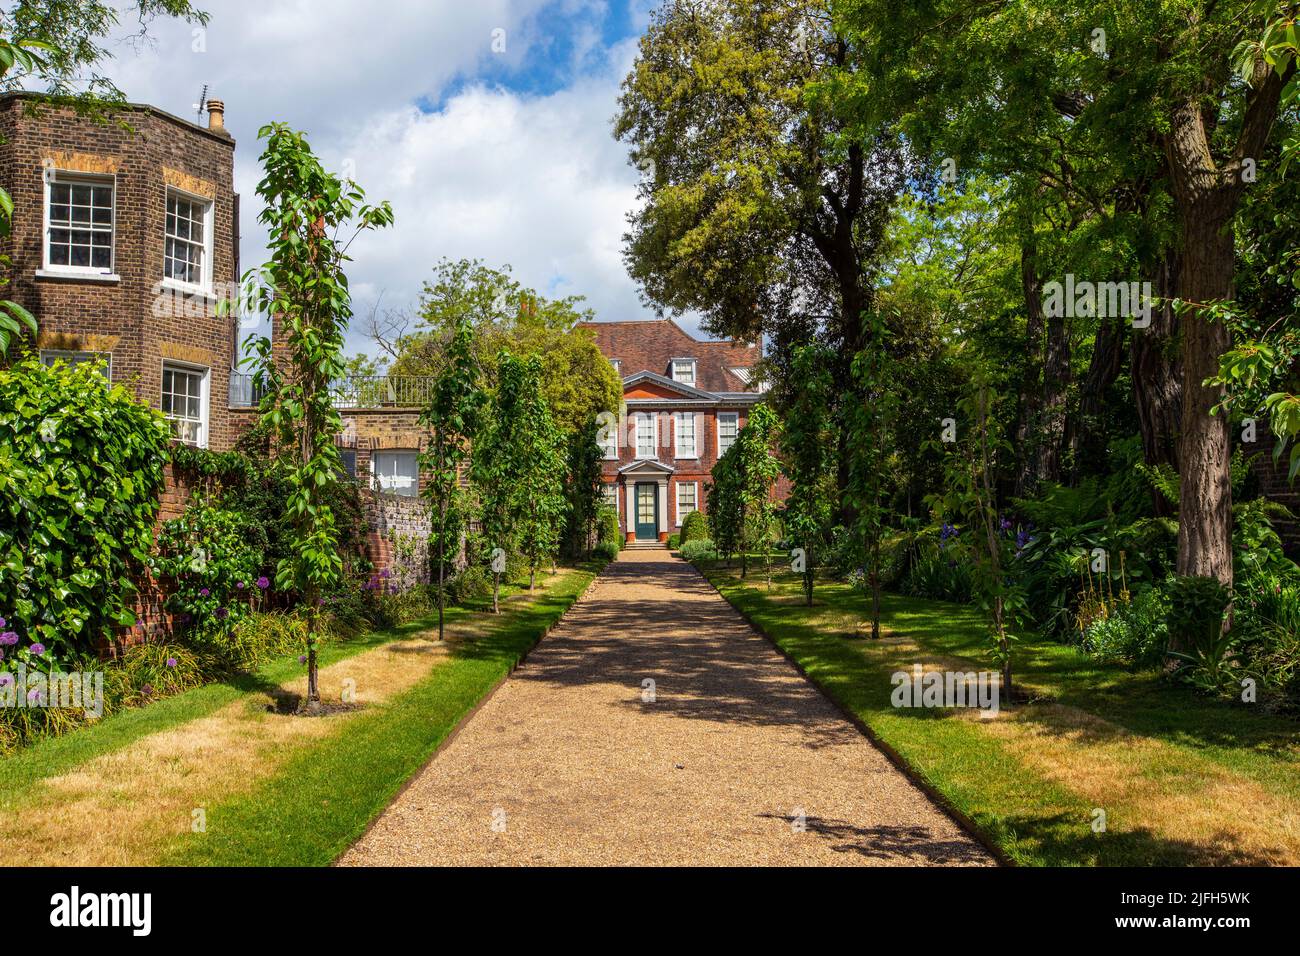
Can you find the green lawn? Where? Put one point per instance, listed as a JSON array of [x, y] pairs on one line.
[[1182, 779], [275, 789]]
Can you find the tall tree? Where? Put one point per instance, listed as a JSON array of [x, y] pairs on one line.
[[577, 380], [304, 285], [1137, 100], [758, 468], [453, 415], [757, 210]]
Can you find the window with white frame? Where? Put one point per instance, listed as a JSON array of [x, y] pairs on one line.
[[645, 435], [685, 435], [688, 493], [79, 224], [609, 496], [607, 438], [185, 402], [728, 426], [397, 472], [684, 371], [72, 359], [187, 252], [618, 366]]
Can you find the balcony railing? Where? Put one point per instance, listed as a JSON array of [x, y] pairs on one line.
[[244, 391], [358, 391], [382, 391]]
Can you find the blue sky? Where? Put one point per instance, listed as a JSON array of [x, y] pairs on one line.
[[487, 125]]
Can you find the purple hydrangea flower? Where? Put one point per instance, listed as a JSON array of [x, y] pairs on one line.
[[263, 583], [8, 638], [37, 649], [171, 662], [204, 592]]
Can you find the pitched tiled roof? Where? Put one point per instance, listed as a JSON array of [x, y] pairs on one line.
[[648, 346]]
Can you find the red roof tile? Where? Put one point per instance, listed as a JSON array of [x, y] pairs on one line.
[[650, 345]]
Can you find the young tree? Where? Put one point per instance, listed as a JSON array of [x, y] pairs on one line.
[[582, 486], [868, 423], [453, 415], [726, 509], [808, 441], [758, 470], [304, 285], [969, 495], [540, 469]]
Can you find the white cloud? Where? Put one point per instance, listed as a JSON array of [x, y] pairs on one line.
[[535, 180]]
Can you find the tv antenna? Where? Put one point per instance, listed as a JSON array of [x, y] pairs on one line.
[[203, 101]]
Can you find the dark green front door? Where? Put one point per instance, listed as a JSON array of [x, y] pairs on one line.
[[647, 512]]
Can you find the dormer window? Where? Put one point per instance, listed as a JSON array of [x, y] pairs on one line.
[[618, 366], [684, 371]]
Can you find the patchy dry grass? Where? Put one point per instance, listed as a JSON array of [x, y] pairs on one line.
[[1182, 779], [128, 805]]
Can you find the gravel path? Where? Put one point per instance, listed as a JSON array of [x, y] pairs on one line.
[[569, 763]]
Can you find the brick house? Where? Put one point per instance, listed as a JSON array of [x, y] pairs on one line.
[[684, 403], [122, 240]]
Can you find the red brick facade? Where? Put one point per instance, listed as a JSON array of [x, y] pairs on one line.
[[126, 311], [648, 354]]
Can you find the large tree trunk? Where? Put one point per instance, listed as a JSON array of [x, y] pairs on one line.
[[1044, 418], [1207, 195], [1205, 491], [1085, 435]]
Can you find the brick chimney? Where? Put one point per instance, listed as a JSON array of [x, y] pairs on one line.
[[217, 116]]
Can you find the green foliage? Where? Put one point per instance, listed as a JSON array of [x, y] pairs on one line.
[[210, 560], [694, 527], [577, 381], [742, 515], [607, 531], [81, 467], [1137, 634], [454, 414], [471, 584], [943, 574], [607, 550], [1197, 636], [808, 441], [582, 487], [518, 468], [699, 549], [305, 207]]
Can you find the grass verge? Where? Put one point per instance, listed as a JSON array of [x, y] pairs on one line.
[[1182, 780], [124, 791]]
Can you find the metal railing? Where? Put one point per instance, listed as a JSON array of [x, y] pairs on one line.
[[244, 390], [360, 391], [382, 391]]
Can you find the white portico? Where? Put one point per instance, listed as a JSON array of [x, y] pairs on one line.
[[644, 496]]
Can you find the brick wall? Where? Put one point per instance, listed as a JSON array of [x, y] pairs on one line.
[[126, 316]]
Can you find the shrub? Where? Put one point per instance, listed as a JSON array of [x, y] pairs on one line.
[[673, 542], [259, 638], [211, 561], [942, 574], [473, 583], [1195, 621], [80, 470], [149, 672], [607, 550], [607, 528], [1137, 633], [701, 549], [695, 527]]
